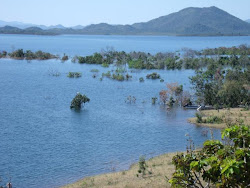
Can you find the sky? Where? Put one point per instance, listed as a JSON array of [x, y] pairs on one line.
[[85, 12]]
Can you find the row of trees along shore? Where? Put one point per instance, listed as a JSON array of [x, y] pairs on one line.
[[184, 59], [222, 75]]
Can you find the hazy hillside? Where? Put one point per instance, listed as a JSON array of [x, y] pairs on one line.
[[195, 21], [248, 20], [189, 21], [29, 30]]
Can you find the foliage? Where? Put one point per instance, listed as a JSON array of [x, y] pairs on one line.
[[141, 79], [74, 74], [118, 77], [153, 76], [107, 74], [216, 164], [174, 93], [142, 166], [199, 117], [29, 55], [78, 100], [65, 57], [94, 70], [217, 87], [154, 99]]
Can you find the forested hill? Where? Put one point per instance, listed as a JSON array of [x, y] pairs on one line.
[[189, 21]]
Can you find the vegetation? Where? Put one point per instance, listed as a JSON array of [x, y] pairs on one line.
[[222, 118], [173, 95], [160, 167], [216, 164], [74, 74], [65, 57], [78, 100], [142, 166], [153, 76], [130, 99], [28, 55], [185, 22], [94, 70], [217, 87], [141, 79]]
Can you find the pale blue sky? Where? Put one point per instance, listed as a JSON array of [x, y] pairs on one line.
[[84, 12]]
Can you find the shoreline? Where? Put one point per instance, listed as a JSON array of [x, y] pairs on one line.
[[232, 115], [161, 166]]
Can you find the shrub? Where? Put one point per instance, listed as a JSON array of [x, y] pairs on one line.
[[94, 70], [199, 118], [213, 119], [153, 75], [106, 65], [141, 79], [142, 166], [154, 99], [217, 164], [78, 100], [65, 57], [74, 74]]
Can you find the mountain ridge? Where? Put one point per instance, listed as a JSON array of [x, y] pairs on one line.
[[191, 21]]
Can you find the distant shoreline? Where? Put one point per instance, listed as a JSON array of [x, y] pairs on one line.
[[119, 34]]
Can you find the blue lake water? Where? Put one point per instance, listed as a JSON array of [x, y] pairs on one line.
[[86, 45], [46, 144]]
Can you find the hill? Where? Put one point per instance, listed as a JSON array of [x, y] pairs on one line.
[[29, 31], [196, 21], [191, 21]]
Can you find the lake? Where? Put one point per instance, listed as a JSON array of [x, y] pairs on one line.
[[46, 144]]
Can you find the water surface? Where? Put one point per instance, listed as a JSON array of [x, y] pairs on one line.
[[46, 144]]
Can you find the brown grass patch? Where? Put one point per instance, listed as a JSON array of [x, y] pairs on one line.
[[229, 116], [160, 166]]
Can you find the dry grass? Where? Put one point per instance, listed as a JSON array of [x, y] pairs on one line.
[[160, 166], [229, 116]]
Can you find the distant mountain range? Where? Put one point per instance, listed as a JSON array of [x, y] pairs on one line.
[[248, 20], [187, 22], [21, 25]]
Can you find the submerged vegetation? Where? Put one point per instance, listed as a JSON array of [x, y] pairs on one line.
[[28, 55], [153, 76], [74, 74], [184, 59], [79, 100]]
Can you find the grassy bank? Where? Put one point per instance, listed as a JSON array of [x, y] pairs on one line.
[[222, 117], [160, 166]]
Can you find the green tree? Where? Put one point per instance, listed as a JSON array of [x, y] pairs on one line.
[[216, 164], [78, 100]]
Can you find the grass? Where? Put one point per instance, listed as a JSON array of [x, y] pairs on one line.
[[223, 118], [160, 166]]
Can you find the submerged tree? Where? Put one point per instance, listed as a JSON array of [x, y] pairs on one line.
[[79, 100]]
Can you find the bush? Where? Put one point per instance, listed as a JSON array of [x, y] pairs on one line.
[[199, 118], [141, 79], [74, 74], [94, 70], [142, 166], [65, 57], [78, 100], [153, 75], [217, 164], [213, 119]]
